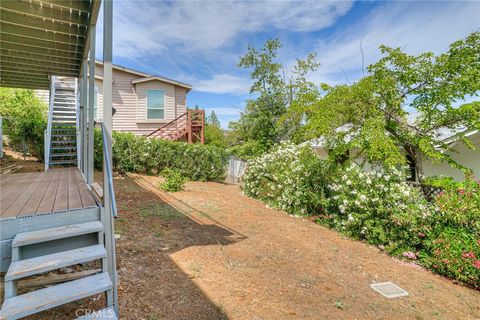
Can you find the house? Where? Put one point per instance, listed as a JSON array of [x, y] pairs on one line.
[[143, 102], [460, 153]]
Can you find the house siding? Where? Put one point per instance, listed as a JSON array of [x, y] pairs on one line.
[[130, 101]]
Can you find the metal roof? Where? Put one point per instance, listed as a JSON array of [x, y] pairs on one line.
[[43, 38]]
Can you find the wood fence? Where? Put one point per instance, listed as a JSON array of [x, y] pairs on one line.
[[236, 169]]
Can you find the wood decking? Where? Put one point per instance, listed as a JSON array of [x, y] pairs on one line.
[[57, 190]]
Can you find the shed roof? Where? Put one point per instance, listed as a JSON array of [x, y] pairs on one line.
[[42, 38]]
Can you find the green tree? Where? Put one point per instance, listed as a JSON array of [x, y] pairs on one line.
[[213, 119], [24, 119], [379, 107], [262, 124]]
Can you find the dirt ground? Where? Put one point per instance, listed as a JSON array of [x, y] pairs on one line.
[[211, 253]]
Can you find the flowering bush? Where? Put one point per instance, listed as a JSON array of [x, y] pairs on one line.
[[379, 207], [139, 154], [459, 205], [453, 252], [290, 178]]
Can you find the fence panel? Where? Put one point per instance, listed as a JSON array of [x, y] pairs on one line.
[[236, 169]]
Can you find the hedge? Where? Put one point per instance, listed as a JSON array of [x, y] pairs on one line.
[[144, 155]]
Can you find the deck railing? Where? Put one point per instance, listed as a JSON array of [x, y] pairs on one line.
[[190, 124], [109, 183]]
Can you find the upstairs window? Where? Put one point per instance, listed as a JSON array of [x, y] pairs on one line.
[[155, 104]]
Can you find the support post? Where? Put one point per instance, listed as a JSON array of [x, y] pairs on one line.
[[84, 101], [203, 127], [189, 126], [112, 298], [91, 106], [79, 100]]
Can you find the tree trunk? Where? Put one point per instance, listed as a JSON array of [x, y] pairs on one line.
[[416, 155]]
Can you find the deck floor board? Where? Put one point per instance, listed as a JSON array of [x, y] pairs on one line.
[[57, 190]]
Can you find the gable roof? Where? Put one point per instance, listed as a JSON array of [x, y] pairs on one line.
[[143, 77]]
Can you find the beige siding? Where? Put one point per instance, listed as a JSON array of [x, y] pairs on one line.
[[180, 100], [131, 104]]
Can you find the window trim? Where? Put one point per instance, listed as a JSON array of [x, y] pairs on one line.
[[146, 105]]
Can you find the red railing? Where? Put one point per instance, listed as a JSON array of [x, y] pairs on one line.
[[190, 125]]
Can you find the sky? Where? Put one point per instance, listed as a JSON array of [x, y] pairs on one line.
[[200, 42]]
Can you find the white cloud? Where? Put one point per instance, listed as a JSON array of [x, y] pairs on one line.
[[415, 26], [224, 111], [155, 27], [222, 83]]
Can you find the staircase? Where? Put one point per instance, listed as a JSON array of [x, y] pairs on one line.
[[61, 136], [18, 306], [188, 127]]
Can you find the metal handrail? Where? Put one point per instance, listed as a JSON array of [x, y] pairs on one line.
[[109, 172]]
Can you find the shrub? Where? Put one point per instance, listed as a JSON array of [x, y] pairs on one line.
[[174, 181], [144, 155], [453, 252], [379, 207], [290, 177], [459, 205], [24, 120]]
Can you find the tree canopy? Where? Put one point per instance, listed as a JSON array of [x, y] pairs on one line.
[[401, 105], [258, 127]]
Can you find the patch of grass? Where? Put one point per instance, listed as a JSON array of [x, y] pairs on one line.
[[160, 209], [339, 304], [428, 285], [153, 317], [195, 267]]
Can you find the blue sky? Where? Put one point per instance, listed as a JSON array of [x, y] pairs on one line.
[[200, 42]]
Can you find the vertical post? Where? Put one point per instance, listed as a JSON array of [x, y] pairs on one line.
[[203, 127], [112, 299], [84, 103], [1, 138], [91, 106], [80, 126], [189, 125]]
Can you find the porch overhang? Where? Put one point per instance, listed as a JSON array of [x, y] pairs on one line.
[[42, 38]]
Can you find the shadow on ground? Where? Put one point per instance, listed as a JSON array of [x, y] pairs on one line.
[[151, 285]]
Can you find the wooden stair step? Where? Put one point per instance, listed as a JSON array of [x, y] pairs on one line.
[[25, 268], [44, 235], [104, 314], [44, 299]]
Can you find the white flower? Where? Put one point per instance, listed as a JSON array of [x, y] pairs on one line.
[[363, 197], [350, 217], [348, 182]]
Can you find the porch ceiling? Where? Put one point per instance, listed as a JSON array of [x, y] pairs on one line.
[[43, 38]]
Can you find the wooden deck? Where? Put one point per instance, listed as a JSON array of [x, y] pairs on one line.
[[30, 194]]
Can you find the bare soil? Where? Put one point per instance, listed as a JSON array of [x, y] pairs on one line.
[[211, 253]]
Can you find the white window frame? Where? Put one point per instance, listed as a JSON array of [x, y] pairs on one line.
[[146, 105]]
